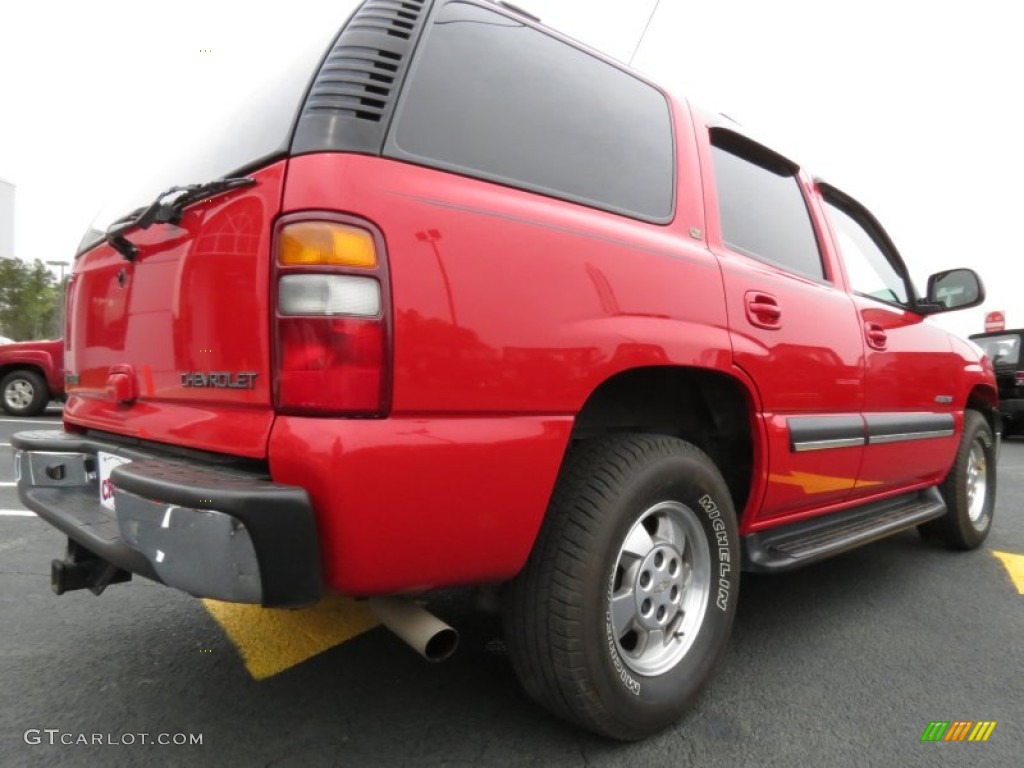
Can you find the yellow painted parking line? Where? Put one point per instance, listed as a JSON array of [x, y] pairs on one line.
[[1015, 567], [272, 640]]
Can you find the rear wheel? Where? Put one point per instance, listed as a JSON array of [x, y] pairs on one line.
[[23, 393], [969, 490], [626, 603]]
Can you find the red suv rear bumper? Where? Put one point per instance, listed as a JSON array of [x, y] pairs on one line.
[[211, 531]]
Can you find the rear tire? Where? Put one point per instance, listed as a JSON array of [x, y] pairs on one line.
[[23, 393], [969, 490], [625, 605]]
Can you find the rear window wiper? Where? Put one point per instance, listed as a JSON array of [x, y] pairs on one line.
[[167, 208]]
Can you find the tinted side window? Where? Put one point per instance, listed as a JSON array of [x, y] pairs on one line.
[[869, 269], [764, 214], [493, 98]]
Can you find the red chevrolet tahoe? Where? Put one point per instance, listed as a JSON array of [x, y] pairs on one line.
[[31, 375], [461, 302]]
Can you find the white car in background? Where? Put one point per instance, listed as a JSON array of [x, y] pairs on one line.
[[5, 340]]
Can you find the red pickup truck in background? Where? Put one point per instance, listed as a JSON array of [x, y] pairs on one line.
[[31, 375], [465, 303]]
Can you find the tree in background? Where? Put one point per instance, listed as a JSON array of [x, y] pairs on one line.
[[30, 298]]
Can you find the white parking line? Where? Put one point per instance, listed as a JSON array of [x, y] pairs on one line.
[[16, 513], [7, 485], [29, 421]]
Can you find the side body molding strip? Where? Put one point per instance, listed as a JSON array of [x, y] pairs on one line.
[[819, 433]]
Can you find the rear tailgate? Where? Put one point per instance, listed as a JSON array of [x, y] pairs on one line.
[[174, 346]]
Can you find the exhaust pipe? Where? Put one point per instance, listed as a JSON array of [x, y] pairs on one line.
[[426, 634]]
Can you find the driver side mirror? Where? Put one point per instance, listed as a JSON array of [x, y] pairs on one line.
[[953, 289]]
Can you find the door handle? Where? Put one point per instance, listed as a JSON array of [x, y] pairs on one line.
[[876, 336], [763, 310]]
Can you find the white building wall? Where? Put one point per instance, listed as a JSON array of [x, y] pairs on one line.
[[6, 220]]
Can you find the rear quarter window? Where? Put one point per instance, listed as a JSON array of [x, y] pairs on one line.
[[491, 97]]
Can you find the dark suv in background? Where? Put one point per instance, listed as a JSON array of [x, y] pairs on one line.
[[1003, 349]]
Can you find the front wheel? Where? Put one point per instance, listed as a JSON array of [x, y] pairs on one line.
[[969, 490], [626, 603]]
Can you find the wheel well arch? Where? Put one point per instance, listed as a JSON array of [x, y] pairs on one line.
[[10, 367], [985, 400], [708, 408]]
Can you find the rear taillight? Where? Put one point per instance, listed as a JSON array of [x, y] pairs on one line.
[[323, 295], [332, 346]]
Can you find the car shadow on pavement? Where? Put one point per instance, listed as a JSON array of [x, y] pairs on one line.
[[152, 659]]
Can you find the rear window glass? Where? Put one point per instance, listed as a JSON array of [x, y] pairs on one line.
[[491, 97], [1001, 350], [249, 124]]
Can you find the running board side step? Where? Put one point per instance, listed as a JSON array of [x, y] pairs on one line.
[[797, 544]]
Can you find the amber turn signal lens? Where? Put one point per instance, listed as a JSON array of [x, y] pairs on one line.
[[324, 243]]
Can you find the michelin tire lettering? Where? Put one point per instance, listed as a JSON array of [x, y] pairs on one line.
[[632, 685], [724, 559]]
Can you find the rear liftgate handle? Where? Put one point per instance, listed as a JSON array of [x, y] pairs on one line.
[[763, 310]]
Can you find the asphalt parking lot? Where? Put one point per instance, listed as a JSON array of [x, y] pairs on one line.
[[844, 663]]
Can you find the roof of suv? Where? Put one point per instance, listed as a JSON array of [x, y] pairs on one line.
[[989, 334]]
